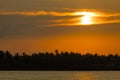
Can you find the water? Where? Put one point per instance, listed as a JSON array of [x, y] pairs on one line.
[[59, 75]]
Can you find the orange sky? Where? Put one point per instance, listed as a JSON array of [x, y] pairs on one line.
[[77, 42], [45, 25]]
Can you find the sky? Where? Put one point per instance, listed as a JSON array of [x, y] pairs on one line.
[[67, 25]]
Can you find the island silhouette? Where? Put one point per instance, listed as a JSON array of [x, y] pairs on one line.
[[58, 61]]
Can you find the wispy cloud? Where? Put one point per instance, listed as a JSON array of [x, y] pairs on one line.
[[71, 12], [66, 18], [37, 13]]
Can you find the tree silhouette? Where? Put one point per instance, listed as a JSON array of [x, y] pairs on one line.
[[58, 61]]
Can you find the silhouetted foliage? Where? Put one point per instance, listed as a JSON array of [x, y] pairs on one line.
[[58, 61]]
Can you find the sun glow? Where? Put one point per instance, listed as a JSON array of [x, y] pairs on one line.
[[86, 18]]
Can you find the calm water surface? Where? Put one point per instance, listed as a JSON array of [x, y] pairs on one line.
[[60, 75]]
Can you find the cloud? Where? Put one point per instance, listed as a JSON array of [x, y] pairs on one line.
[[68, 12], [50, 23], [37, 13], [62, 18]]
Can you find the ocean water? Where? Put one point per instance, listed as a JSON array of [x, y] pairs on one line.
[[59, 75]]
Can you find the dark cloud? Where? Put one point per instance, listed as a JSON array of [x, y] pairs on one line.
[[57, 4], [28, 26]]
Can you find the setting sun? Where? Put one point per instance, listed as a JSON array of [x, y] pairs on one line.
[[86, 18]]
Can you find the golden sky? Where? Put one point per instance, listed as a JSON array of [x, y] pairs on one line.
[[45, 25]]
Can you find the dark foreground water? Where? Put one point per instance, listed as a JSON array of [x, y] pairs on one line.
[[60, 75]]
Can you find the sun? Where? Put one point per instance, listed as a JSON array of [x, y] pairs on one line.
[[86, 18]]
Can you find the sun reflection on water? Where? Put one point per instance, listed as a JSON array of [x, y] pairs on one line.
[[85, 76]]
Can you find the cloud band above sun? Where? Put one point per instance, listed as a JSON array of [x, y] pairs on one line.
[[81, 17]]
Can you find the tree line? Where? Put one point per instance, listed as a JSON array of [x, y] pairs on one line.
[[58, 61]]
